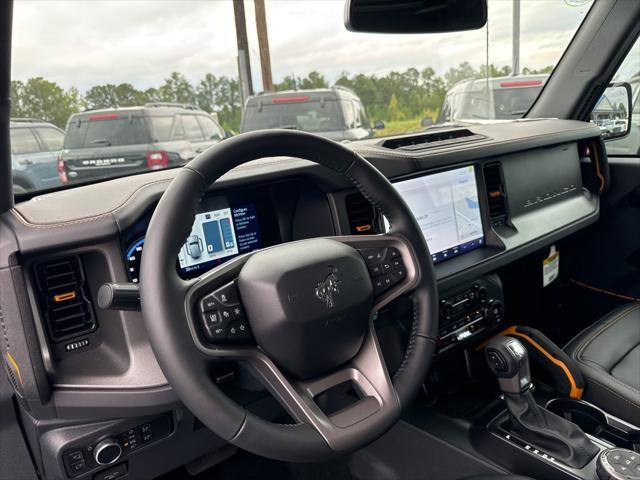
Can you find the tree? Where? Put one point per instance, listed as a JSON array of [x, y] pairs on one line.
[[44, 100], [464, 71], [114, 96], [177, 89], [313, 80], [288, 83]]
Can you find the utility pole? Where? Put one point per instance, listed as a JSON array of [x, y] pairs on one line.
[[263, 44], [515, 56], [244, 66]]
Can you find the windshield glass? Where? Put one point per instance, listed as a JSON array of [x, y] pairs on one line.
[[192, 81]]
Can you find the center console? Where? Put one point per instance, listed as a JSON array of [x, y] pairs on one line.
[[470, 311]]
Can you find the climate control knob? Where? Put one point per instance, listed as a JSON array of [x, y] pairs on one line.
[[495, 311], [107, 451]]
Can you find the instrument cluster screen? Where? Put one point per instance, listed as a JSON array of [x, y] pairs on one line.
[[219, 234]]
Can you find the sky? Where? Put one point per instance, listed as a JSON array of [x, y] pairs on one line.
[[83, 43]]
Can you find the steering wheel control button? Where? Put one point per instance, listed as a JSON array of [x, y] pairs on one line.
[[375, 269], [393, 252], [228, 295], [107, 451], [373, 255], [238, 331], [209, 303], [223, 317]]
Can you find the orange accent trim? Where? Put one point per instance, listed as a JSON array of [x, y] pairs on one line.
[[14, 364], [495, 194], [61, 297], [575, 391], [597, 162], [363, 228], [606, 292]]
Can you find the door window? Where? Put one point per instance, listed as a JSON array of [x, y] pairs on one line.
[[210, 129], [51, 138], [192, 128], [23, 141]]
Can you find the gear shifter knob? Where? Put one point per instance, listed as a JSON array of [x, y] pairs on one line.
[[509, 361]]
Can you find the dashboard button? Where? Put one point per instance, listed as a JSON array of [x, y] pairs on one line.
[[373, 255], [77, 467], [228, 295], [212, 319], [226, 314], [393, 252], [75, 456], [238, 331], [215, 333], [209, 303], [375, 269], [237, 312]]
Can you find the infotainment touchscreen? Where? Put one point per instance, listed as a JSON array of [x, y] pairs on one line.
[[218, 235], [447, 209]]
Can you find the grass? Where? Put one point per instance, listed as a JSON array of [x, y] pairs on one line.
[[398, 127]]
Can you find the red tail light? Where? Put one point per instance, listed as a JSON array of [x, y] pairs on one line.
[[157, 160], [521, 83], [104, 116], [62, 173], [301, 98]]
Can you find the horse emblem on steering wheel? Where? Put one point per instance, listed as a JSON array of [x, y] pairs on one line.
[[329, 288]]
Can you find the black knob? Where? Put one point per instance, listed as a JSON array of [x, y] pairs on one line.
[[615, 463], [446, 309], [482, 294], [495, 311], [107, 451]]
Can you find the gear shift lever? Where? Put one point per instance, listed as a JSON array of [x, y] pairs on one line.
[[563, 440], [509, 361]]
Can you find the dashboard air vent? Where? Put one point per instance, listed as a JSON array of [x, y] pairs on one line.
[[433, 139], [495, 193], [361, 214], [63, 295]]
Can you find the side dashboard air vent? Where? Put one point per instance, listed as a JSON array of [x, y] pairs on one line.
[[64, 298], [495, 193], [361, 214], [434, 139]]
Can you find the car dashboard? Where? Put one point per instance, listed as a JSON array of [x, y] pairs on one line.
[[485, 196]]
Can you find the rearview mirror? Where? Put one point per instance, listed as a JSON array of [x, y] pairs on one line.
[[378, 125], [426, 16], [612, 112]]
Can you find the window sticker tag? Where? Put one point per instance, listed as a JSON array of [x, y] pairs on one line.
[[551, 266]]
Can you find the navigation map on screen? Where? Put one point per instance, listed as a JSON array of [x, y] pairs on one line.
[[446, 207]]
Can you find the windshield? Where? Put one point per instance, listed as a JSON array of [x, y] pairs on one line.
[[192, 81]]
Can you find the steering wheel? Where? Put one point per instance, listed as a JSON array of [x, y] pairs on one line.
[[302, 312]]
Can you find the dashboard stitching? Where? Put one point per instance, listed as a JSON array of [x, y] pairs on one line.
[[69, 223]]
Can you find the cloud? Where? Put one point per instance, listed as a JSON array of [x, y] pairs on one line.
[[83, 43]]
